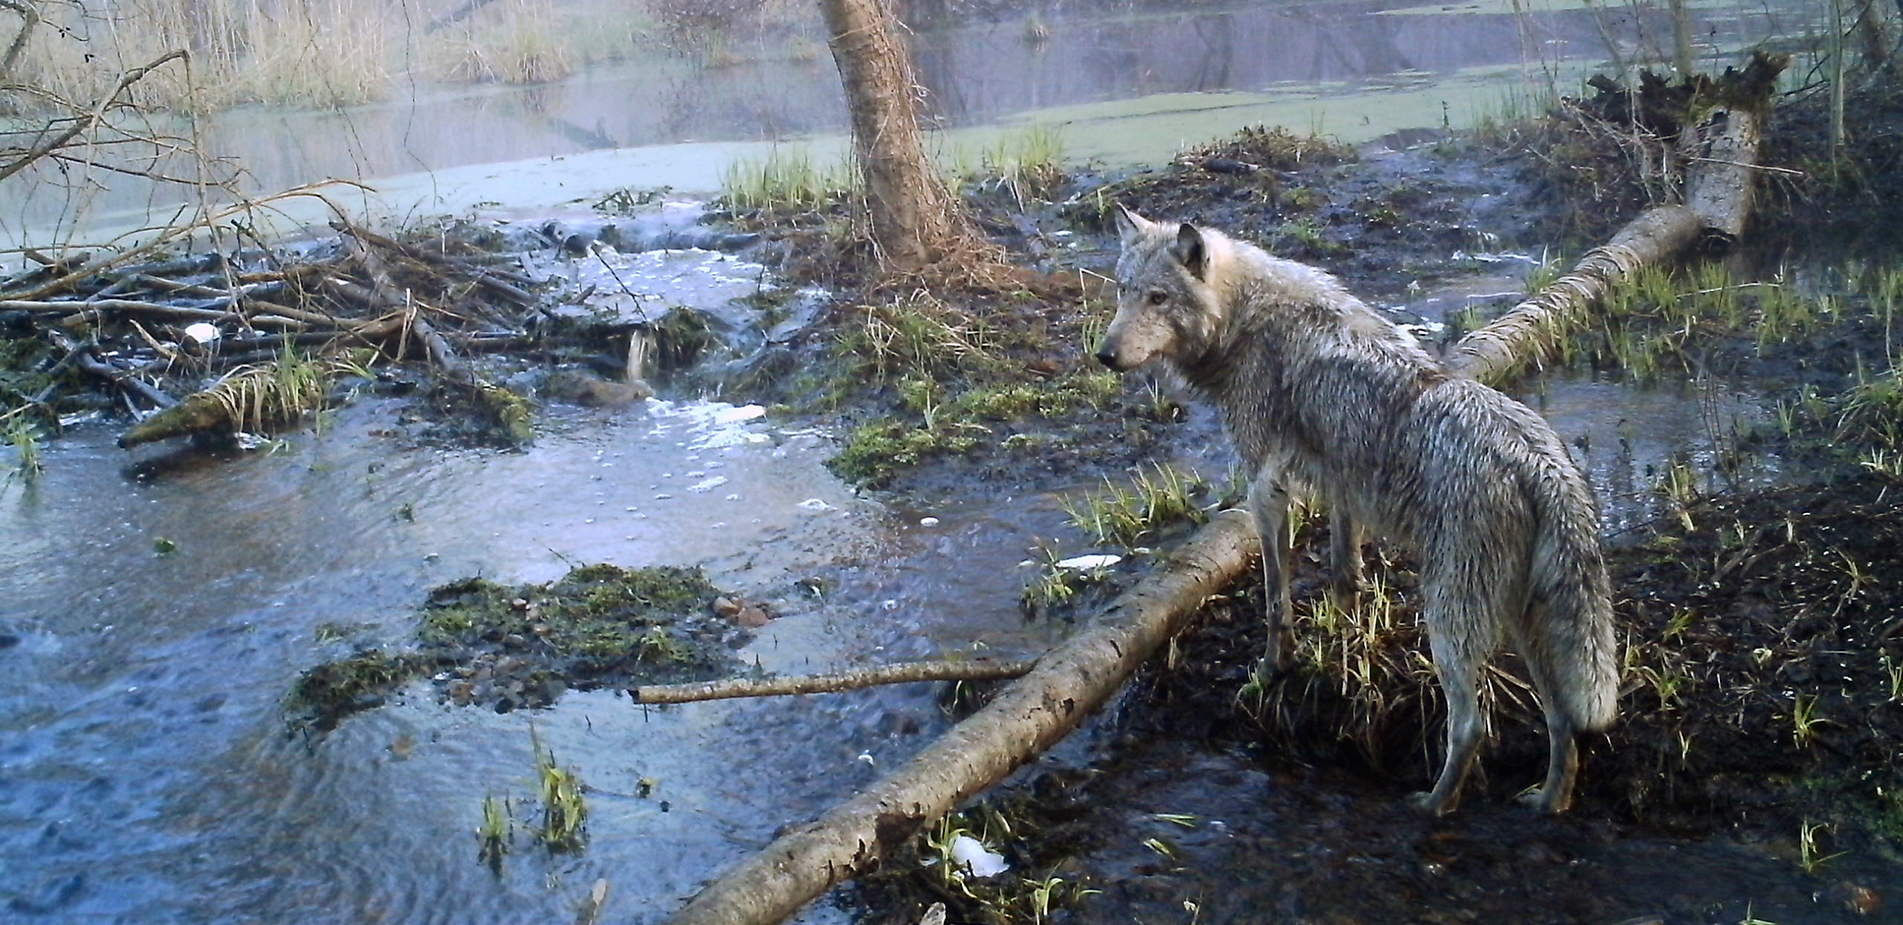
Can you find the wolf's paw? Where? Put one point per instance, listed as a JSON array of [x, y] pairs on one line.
[[1536, 798], [1424, 802]]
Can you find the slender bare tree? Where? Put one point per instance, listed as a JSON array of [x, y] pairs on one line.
[[916, 221]]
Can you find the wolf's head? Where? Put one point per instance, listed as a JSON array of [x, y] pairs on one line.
[[1167, 306]]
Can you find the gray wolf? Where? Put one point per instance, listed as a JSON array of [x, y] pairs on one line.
[[1321, 394]]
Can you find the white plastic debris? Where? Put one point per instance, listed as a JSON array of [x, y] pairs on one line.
[[977, 860], [928, 521], [741, 413], [203, 332], [1090, 562], [813, 504], [708, 484]]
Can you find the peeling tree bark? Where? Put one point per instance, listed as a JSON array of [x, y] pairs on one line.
[[1028, 717]]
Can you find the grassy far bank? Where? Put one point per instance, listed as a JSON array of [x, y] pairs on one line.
[[345, 52]]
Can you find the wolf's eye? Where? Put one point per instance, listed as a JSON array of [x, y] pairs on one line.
[[1158, 297]]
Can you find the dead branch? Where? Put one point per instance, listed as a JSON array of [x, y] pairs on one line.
[[1067, 685], [974, 669], [86, 120], [29, 19]]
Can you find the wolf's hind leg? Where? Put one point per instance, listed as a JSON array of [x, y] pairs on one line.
[[1268, 502], [1461, 633], [1562, 760], [1465, 727]]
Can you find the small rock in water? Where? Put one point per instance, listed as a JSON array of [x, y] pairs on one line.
[[577, 387]]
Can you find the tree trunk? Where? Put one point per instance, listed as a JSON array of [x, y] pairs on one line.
[[1028, 717], [915, 219]]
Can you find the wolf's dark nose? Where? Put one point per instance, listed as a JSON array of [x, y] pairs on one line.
[[1107, 357]]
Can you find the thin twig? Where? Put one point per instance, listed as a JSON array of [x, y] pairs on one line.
[[977, 669]]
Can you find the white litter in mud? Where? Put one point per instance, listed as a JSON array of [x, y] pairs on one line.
[[813, 504], [1104, 560], [979, 861], [709, 484]]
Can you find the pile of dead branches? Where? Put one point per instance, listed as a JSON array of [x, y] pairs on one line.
[[199, 343]]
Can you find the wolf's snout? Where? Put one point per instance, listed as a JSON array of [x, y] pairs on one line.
[[1107, 355]]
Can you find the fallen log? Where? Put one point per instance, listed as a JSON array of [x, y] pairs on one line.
[[971, 669], [1031, 715], [1528, 333], [1719, 193]]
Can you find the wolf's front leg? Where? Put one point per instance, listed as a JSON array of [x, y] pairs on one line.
[[1268, 502], [1344, 547]]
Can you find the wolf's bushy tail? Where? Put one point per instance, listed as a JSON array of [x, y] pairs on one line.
[[1570, 625]]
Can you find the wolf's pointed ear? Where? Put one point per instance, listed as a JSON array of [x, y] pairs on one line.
[[1190, 251], [1130, 225]]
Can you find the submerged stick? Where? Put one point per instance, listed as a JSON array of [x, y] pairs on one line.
[[1068, 684], [977, 669]]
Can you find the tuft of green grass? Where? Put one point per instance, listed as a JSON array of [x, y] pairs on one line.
[[1029, 165], [493, 834], [1804, 720], [1123, 516], [564, 812], [787, 183], [25, 439]]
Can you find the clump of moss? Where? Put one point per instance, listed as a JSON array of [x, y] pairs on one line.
[[523, 646], [333, 690]]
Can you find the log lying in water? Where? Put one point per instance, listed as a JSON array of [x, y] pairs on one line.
[[1720, 191]]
